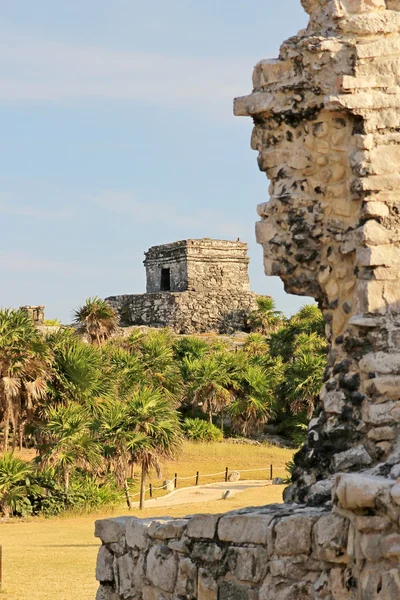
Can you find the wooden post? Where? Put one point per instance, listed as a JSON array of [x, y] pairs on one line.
[[226, 473], [1, 567], [151, 490], [127, 495], [271, 472], [197, 478], [176, 480]]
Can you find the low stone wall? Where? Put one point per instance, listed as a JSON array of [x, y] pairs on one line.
[[187, 312], [282, 552]]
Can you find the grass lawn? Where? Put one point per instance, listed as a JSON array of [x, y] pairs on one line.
[[214, 457], [55, 559]]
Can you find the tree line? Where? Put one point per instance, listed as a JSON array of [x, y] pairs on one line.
[[96, 405]]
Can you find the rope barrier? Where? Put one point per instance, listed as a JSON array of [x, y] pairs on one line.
[[175, 478]]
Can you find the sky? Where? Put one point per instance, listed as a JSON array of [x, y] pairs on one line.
[[118, 134]]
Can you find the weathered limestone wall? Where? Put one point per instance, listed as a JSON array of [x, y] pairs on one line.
[[281, 552], [187, 312], [327, 129]]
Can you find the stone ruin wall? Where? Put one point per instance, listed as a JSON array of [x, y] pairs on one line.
[[279, 552], [187, 312], [327, 130]]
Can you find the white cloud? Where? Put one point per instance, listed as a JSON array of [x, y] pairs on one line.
[[33, 70], [146, 212]]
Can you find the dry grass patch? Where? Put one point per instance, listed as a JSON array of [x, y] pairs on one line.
[[55, 558]]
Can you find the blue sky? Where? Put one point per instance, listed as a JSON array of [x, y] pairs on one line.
[[118, 134]]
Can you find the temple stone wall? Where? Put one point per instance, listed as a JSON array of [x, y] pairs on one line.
[[203, 265], [279, 552], [187, 312]]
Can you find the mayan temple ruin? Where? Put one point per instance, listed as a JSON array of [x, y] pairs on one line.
[[327, 132], [192, 286]]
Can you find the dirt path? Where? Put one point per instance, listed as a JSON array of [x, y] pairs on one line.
[[202, 493]]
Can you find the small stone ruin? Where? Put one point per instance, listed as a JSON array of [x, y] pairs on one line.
[[327, 130], [193, 286], [36, 313]]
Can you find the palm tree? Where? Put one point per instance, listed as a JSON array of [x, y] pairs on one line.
[[154, 417], [253, 405], [304, 381], [80, 373], [190, 346], [265, 318], [160, 369], [116, 432], [15, 483], [211, 382], [98, 318], [67, 441], [24, 369]]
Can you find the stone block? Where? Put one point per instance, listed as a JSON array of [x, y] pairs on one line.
[[349, 458], [379, 414], [231, 590], [293, 535], [104, 566], [369, 297], [111, 530], [391, 546], [375, 210], [124, 569], [372, 523], [169, 530], [186, 584], [137, 531], [330, 535], [249, 528], [387, 255], [371, 546], [360, 491], [151, 593], [202, 526], [207, 588], [270, 71], [395, 493], [248, 564], [388, 386], [334, 402], [391, 585], [162, 568], [106, 592], [381, 433], [361, 6]]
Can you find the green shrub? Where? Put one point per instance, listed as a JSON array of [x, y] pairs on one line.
[[52, 323], [199, 430]]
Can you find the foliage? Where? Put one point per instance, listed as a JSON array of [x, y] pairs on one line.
[[16, 485], [52, 323], [98, 318], [96, 411], [265, 318], [199, 430]]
